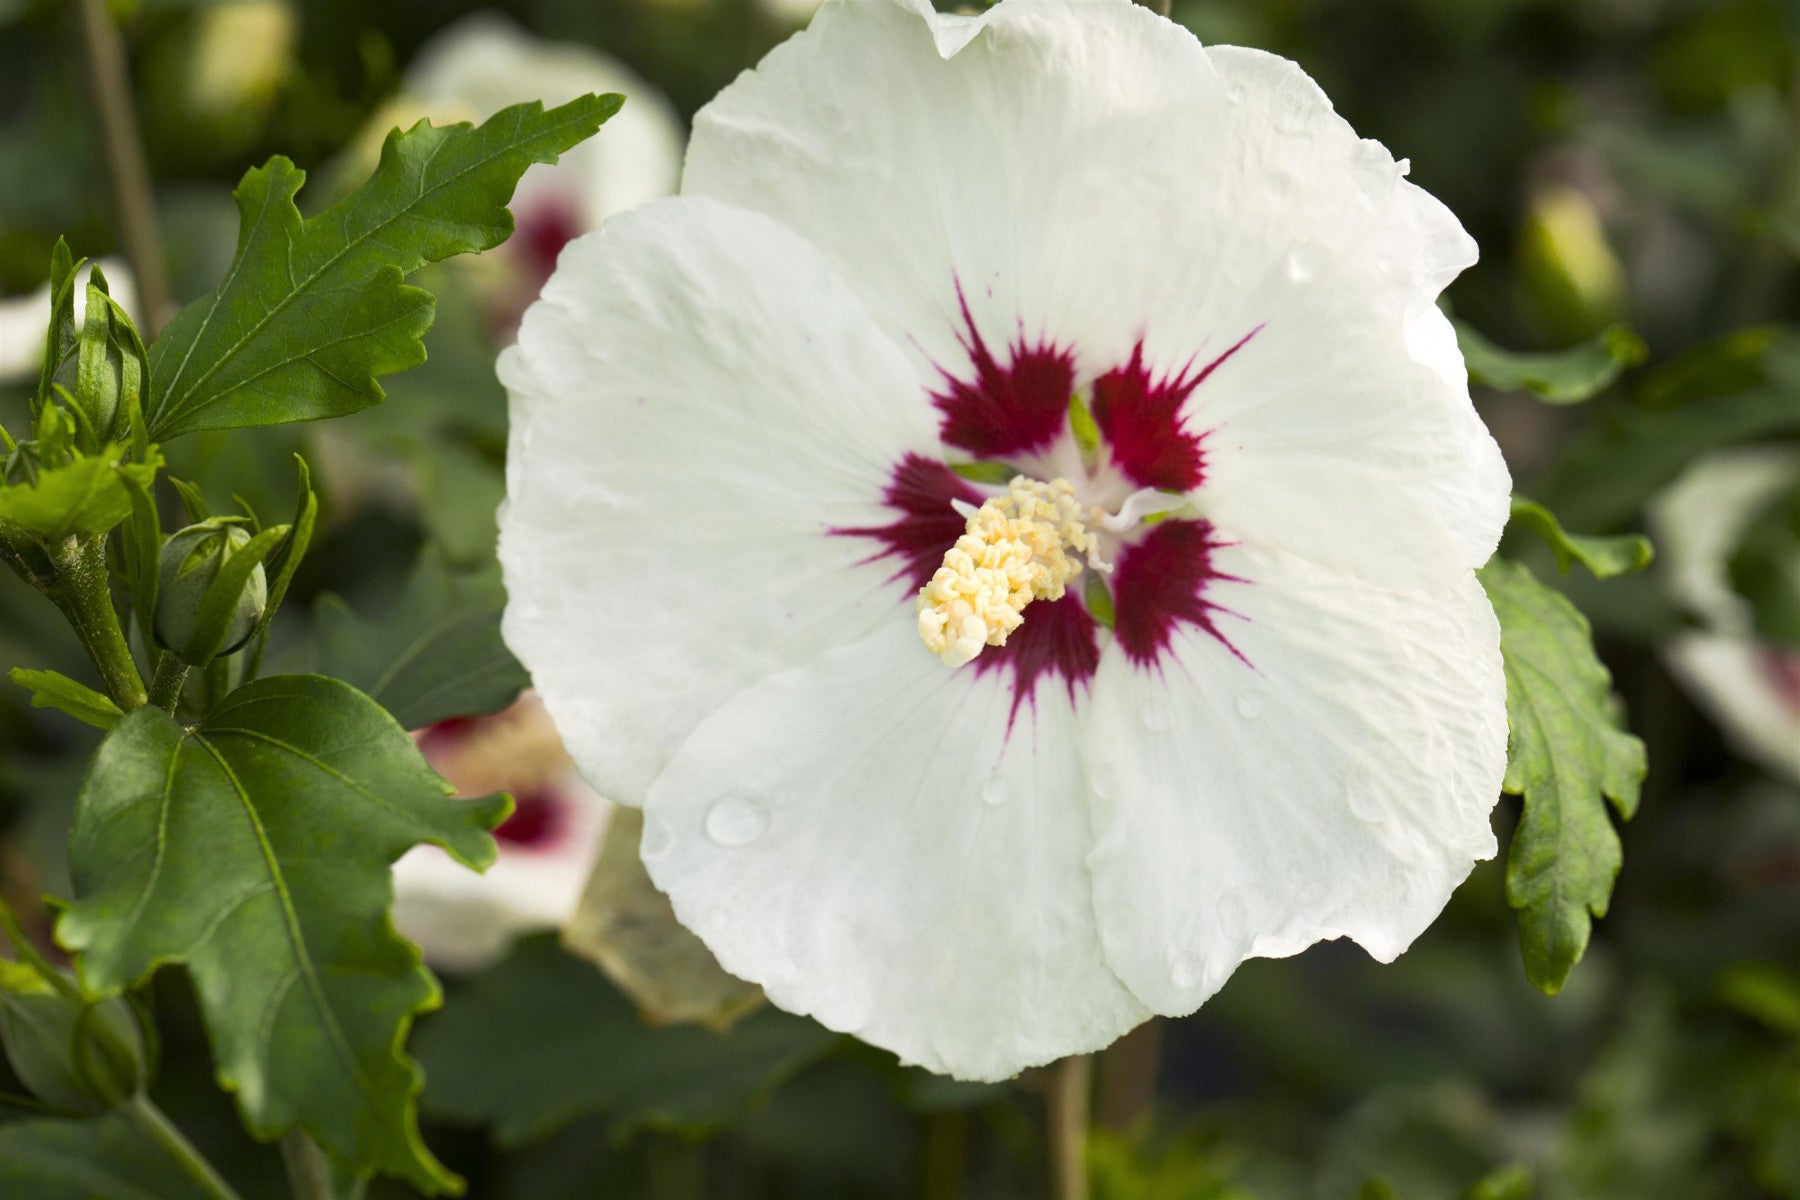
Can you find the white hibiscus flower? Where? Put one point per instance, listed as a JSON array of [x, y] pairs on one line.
[[1750, 687], [464, 921], [906, 242]]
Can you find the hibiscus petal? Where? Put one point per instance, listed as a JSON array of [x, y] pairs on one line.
[[1344, 430], [874, 840], [696, 401], [1091, 182], [1335, 780]]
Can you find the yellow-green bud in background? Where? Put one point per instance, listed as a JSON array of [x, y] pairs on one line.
[[1570, 273], [190, 562], [76, 1054]]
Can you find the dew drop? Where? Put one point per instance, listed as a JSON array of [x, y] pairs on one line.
[[657, 839], [737, 820], [1363, 796], [1156, 717], [994, 792], [1299, 266], [1250, 705]]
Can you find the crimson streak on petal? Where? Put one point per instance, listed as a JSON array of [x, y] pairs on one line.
[[1021, 405], [1161, 582], [1057, 639], [1140, 417], [927, 526]]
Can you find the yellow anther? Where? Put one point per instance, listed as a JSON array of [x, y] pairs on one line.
[[1016, 548]]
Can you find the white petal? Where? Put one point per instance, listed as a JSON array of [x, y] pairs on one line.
[[1738, 682], [697, 401], [1344, 430], [1338, 784], [1701, 518], [484, 63], [863, 838], [1031, 154], [1088, 174]]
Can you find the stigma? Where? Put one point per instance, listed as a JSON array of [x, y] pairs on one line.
[[1026, 544]]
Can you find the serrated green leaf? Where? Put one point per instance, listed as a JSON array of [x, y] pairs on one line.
[[1604, 556], [544, 1038], [314, 309], [1563, 377], [436, 653], [80, 1160], [254, 849], [85, 495], [1567, 754], [52, 690]]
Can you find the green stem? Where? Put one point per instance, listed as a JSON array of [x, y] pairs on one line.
[[142, 1112], [165, 686], [308, 1170], [81, 590], [1071, 1081]]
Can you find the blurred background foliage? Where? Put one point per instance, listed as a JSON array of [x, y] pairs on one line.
[[1633, 161]]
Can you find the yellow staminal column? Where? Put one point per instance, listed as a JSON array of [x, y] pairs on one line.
[[1016, 548]]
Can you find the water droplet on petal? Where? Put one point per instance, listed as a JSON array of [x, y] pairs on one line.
[[1250, 705], [656, 840], [994, 792], [1299, 265], [1362, 793], [737, 820], [1156, 717], [1103, 778]]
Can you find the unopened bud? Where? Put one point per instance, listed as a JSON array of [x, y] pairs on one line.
[[80, 1055], [190, 562]]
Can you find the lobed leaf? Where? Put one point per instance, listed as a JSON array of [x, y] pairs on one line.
[[1604, 556], [435, 654], [1562, 377], [1567, 755], [544, 1038], [314, 309], [254, 849]]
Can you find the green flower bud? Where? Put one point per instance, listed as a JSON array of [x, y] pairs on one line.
[[84, 1056], [191, 560]]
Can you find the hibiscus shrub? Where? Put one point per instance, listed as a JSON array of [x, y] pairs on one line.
[[869, 645]]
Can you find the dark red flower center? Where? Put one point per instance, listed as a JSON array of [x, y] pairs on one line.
[[1014, 407]]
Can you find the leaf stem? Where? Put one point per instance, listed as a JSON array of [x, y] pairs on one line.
[[165, 685], [82, 591], [308, 1170], [123, 151], [1071, 1080], [142, 1112]]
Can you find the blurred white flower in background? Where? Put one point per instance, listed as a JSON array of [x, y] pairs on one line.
[[464, 921], [24, 319], [1750, 687], [485, 62]]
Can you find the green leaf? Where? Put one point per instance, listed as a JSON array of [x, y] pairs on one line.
[[254, 849], [1564, 377], [1567, 754], [544, 1038], [1604, 556], [86, 495], [51, 690], [986, 472], [82, 1160], [60, 337], [314, 309], [1513, 1182], [436, 653]]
